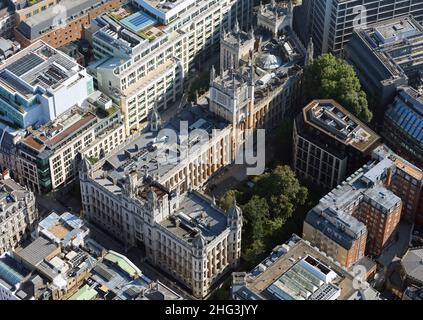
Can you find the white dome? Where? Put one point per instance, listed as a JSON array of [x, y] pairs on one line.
[[269, 61]]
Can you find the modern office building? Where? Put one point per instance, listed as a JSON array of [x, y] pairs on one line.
[[387, 55], [330, 143], [334, 21], [59, 22], [38, 84], [18, 213], [48, 157], [297, 270], [145, 50], [403, 125]]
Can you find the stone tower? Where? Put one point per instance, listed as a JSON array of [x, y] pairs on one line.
[[234, 216]]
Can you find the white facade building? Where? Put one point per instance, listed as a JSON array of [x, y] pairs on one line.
[[39, 83]]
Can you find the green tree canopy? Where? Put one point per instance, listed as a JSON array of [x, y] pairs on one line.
[[274, 199], [282, 190], [226, 201], [329, 77]]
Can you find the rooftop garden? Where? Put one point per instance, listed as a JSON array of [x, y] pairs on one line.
[[104, 113]]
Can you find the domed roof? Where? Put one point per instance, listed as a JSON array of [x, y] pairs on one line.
[[269, 61]]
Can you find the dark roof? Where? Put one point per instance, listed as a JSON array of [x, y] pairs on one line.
[[37, 251], [337, 233]]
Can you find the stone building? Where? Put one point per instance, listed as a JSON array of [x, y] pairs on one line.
[[18, 213]]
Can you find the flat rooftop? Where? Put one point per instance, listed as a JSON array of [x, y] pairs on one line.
[[385, 198], [38, 250], [332, 119], [37, 65], [63, 129], [196, 212], [165, 6], [55, 16], [396, 29], [301, 273], [11, 271]]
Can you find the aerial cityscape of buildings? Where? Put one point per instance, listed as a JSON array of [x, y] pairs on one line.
[[128, 128]]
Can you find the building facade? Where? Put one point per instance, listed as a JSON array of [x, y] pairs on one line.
[[403, 125], [333, 21], [330, 143], [337, 233], [59, 22], [386, 55], [18, 213], [48, 157], [38, 84], [377, 195], [185, 235]]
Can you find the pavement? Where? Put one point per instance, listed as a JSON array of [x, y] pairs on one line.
[[399, 245]]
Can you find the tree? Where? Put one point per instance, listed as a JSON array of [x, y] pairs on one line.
[[329, 77], [226, 201], [255, 213], [282, 190]]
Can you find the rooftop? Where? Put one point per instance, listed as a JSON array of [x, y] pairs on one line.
[[10, 194], [38, 66], [117, 278], [272, 64], [11, 272], [144, 153], [66, 229], [339, 226], [56, 16], [196, 212], [332, 119], [38, 250], [299, 272], [54, 134], [407, 113], [412, 263]]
